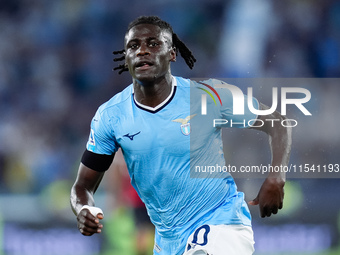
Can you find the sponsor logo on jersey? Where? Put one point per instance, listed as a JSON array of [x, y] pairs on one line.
[[91, 139], [131, 136], [157, 248]]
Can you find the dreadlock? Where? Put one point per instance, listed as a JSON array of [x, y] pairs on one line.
[[176, 42]]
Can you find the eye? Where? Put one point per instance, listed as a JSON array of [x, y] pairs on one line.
[[132, 45], [153, 44]]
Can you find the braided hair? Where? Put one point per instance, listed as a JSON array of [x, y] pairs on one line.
[[176, 42]]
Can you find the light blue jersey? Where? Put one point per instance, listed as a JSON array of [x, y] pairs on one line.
[[160, 145]]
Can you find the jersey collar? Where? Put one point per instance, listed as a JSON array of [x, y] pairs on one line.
[[161, 105]]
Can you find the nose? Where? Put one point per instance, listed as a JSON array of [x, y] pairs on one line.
[[143, 50]]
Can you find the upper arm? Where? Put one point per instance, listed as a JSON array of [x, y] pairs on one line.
[[270, 123], [280, 136], [91, 170], [88, 179], [102, 138]]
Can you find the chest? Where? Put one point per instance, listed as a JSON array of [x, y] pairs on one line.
[[169, 129]]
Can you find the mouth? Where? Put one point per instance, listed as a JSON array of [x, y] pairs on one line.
[[143, 64]]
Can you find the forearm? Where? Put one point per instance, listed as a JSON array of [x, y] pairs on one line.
[[80, 197], [86, 184], [280, 141]]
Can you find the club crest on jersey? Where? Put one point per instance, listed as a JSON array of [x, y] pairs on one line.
[[185, 127]]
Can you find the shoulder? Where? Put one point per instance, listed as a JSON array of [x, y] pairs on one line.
[[214, 83], [219, 87], [117, 101], [190, 83], [213, 87], [182, 82]]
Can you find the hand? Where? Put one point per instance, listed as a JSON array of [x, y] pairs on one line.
[[88, 224], [270, 197]]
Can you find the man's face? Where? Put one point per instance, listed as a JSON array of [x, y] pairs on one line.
[[148, 52]]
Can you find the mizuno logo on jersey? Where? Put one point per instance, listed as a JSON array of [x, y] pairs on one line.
[[131, 136], [185, 127]]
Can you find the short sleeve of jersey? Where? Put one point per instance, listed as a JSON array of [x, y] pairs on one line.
[[101, 139], [234, 105]]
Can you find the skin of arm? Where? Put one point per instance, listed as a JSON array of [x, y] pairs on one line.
[[270, 196], [82, 192]]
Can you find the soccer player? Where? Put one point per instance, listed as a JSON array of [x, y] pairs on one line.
[[163, 135]]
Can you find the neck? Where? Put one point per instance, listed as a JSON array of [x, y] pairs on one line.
[[153, 93]]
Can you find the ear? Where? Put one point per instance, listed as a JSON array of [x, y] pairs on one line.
[[173, 54]]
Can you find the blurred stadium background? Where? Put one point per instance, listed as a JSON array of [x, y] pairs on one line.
[[56, 69]]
